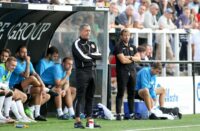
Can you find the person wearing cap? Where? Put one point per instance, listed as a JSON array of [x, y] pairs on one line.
[[166, 22]]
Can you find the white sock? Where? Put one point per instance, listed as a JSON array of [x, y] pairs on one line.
[[60, 112], [20, 108], [15, 110], [65, 110], [32, 108], [2, 98], [7, 105], [37, 110], [71, 111]]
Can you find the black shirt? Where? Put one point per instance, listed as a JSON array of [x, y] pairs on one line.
[[129, 50]]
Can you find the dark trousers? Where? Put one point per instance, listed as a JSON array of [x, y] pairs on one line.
[[125, 80], [86, 80], [183, 55]]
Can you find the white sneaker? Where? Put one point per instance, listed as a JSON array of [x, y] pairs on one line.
[[31, 120], [24, 120], [157, 112]]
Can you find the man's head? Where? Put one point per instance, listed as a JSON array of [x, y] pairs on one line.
[[5, 53], [11, 63], [149, 50], [187, 12], [85, 31], [67, 63], [154, 9], [125, 35], [141, 9], [168, 13], [52, 53], [129, 10], [156, 68], [22, 52], [142, 51]]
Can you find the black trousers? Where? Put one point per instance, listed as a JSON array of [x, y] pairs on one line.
[[86, 80], [125, 80]]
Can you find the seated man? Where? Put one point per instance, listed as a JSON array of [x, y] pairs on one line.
[[57, 78], [26, 79], [5, 93], [48, 60], [145, 87], [4, 54]]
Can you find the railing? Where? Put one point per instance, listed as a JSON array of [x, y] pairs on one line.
[[164, 33]]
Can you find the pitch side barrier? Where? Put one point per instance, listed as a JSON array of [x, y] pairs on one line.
[[181, 91]]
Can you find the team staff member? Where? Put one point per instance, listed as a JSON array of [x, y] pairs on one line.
[[125, 69], [5, 53], [146, 87], [85, 54]]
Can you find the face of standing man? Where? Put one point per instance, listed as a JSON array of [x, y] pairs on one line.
[[85, 31]]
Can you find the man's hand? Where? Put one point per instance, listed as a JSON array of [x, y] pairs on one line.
[[63, 93], [28, 58], [68, 73]]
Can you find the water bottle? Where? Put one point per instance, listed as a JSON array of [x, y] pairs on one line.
[[91, 123], [180, 24], [21, 126]]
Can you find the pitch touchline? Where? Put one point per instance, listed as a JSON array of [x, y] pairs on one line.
[[158, 128]]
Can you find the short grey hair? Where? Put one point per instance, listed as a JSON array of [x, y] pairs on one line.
[[83, 26], [154, 5]]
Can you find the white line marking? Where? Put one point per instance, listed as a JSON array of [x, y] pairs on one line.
[[158, 128]]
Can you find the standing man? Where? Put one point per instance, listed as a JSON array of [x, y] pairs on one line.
[[125, 68], [195, 49], [85, 54]]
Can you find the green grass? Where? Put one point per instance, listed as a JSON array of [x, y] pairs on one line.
[[132, 125]]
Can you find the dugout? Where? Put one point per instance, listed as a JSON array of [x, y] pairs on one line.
[[41, 25]]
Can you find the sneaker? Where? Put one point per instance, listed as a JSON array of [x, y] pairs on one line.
[[95, 125], [24, 120], [153, 117], [79, 125], [118, 117], [63, 117], [29, 113], [40, 118], [52, 93]]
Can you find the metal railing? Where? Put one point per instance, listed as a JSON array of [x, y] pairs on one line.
[[163, 34]]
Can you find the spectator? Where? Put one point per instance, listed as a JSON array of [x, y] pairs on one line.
[[195, 49], [146, 87], [166, 22], [126, 18], [194, 5], [121, 5], [179, 7], [139, 17], [183, 22], [150, 21], [125, 57]]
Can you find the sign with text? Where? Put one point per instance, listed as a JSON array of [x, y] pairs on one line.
[[179, 92]]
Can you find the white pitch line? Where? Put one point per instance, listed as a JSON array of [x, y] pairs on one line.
[[158, 128]]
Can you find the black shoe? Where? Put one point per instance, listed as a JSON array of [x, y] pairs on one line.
[[40, 118], [63, 117], [129, 117], [95, 125], [118, 117], [153, 117], [78, 125], [52, 93]]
